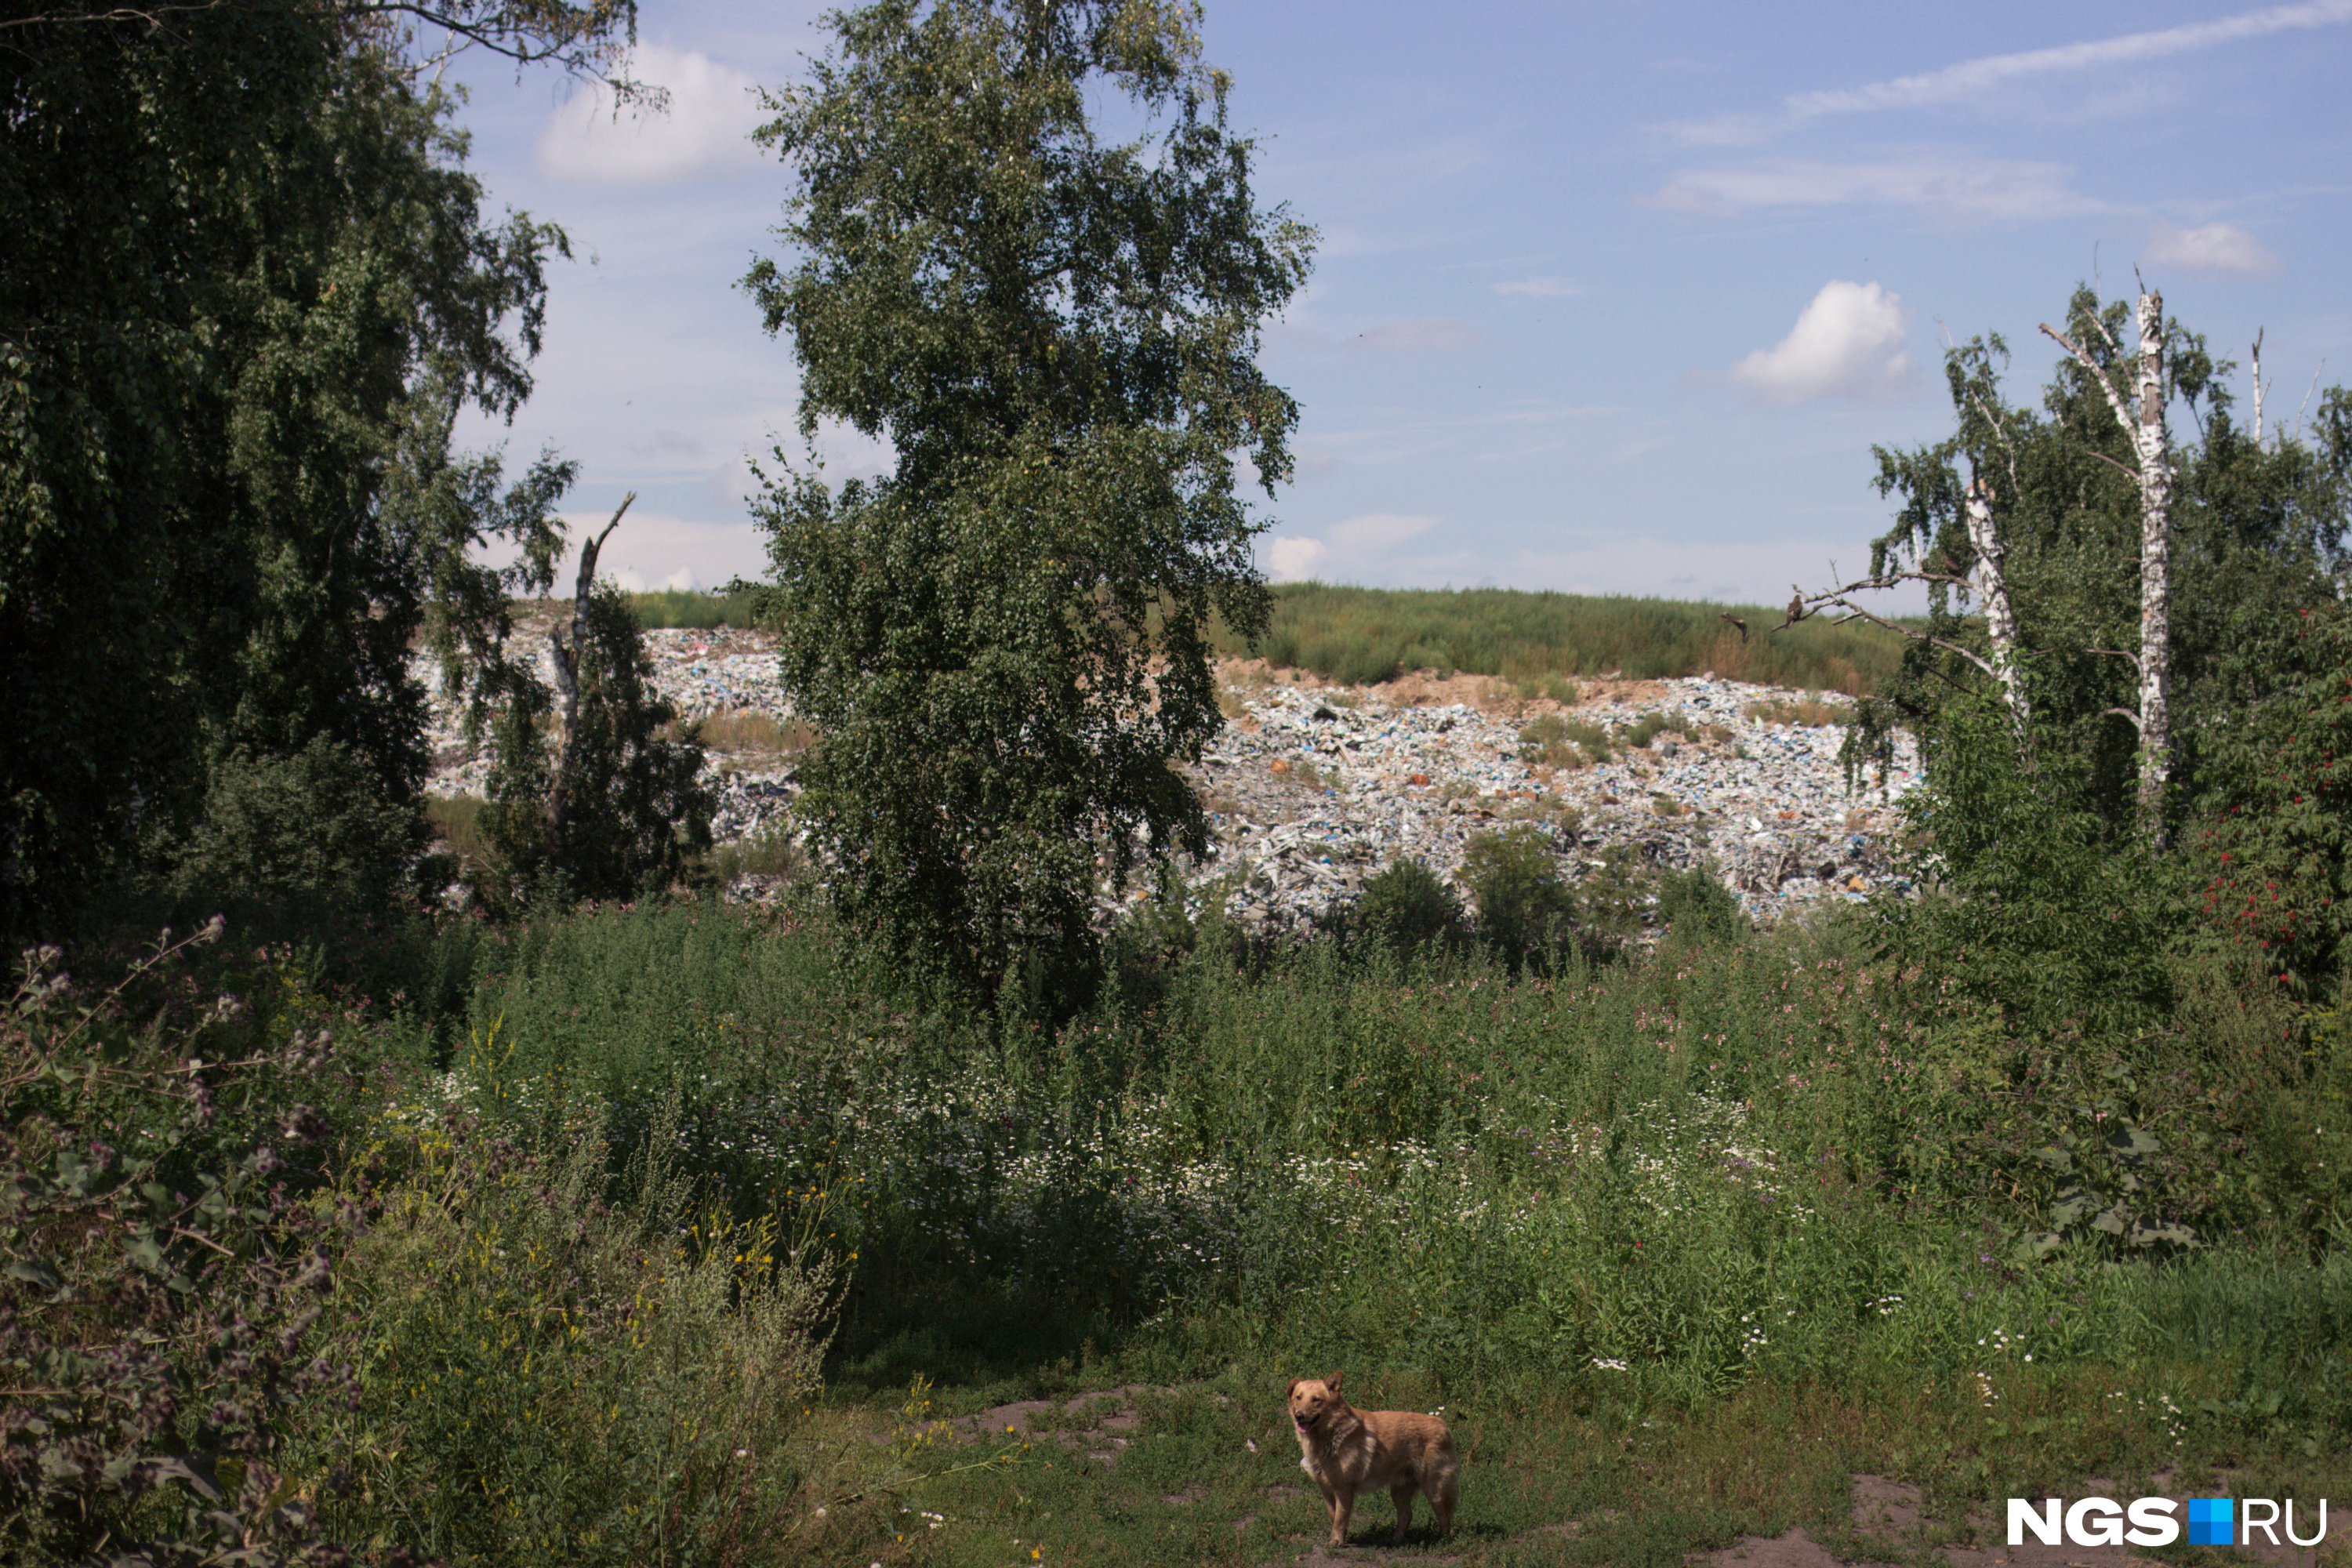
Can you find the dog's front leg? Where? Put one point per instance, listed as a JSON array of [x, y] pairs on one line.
[[1401, 1494], [1343, 1503]]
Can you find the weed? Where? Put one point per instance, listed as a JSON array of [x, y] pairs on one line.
[[1551, 740], [1650, 726], [1810, 712], [458, 820]]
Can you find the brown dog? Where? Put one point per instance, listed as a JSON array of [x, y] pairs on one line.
[[1349, 1452]]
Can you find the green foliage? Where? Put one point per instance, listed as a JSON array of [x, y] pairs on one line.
[[1364, 634], [736, 607], [2036, 901], [1005, 642], [1650, 726], [2272, 846], [1552, 742], [159, 1311], [1724, 1165], [1408, 907], [634, 812], [1695, 906], [557, 1373], [2258, 523], [314, 826], [226, 497], [1526, 906], [1700, 1186]]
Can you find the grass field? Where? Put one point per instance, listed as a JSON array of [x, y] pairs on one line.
[[1677, 1243], [690, 1234]]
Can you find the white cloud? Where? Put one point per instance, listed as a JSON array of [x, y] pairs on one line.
[[685, 580], [1541, 288], [1975, 78], [1958, 189], [1292, 560], [2216, 248], [706, 132], [1348, 549], [1851, 341]]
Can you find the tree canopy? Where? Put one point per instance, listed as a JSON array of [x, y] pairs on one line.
[[1005, 642], [2034, 821], [247, 287]]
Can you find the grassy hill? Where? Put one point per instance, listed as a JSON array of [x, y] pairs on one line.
[[1364, 634]]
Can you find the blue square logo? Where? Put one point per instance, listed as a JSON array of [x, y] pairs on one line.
[[2211, 1522]]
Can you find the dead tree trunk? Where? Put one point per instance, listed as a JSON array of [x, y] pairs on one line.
[[567, 680], [2142, 417], [1992, 587], [2258, 388]]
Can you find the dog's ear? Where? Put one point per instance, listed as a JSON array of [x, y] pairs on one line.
[[1332, 1381], [1294, 1385]]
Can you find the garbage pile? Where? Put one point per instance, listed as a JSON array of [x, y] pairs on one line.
[[1311, 790], [1315, 791]]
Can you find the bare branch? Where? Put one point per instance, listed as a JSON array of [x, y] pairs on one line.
[[2122, 713], [2098, 372], [2125, 469], [153, 14], [1836, 599], [2306, 400]]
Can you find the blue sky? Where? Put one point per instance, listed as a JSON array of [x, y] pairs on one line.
[[1608, 300]]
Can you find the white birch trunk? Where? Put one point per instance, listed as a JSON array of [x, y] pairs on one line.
[[2154, 449], [2000, 619], [2258, 386]]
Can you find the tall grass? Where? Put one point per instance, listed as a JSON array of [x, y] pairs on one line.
[[702, 612], [584, 1258], [1684, 1173], [1362, 635]]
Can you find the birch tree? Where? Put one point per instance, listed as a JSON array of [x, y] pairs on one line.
[[1992, 591], [1003, 643], [2141, 414]]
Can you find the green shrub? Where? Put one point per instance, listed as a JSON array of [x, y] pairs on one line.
[[702, 612], [612, 809], [458, 819], [160, 1315], [1550, 741], [1650, 726], [1408, 907], [319, 824], [1695, 905], [1526, 907], [2272, 846], [552, 1377], [1363, 635], [2034, 899]]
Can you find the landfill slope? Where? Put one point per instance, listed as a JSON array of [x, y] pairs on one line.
[[1312, 789]]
